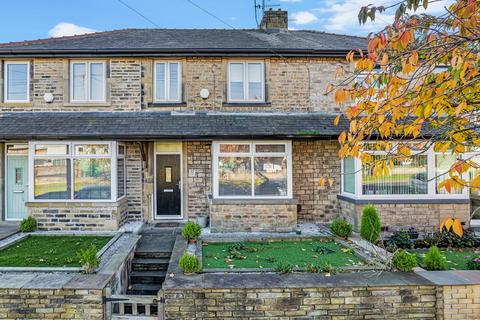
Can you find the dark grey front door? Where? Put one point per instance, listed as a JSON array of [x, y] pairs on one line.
[[168, 186]]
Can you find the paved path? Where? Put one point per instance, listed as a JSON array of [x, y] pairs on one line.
[[157, 239], [7, 229]]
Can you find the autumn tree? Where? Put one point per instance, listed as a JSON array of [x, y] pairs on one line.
[[418, 82]]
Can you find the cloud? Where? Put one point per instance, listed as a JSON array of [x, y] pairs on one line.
[[63, 29], [304, 17], [341, 15]]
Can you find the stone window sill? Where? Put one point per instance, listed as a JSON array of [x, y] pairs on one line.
[[247, 104], [166, 104], [254, 201], [66, 204], [16, 104], [87, 104]]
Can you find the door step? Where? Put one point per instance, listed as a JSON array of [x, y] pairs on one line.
[[144, 289], [167, 225], [147, 277], [150, 264], [152, 255]]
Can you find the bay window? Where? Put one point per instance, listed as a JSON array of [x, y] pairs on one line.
[[416, 177], [252, 169], [77, 171], [246, 82]]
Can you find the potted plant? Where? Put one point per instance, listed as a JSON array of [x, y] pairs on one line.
[[189, 263], [191, 231], [412, 233], [202, 220]]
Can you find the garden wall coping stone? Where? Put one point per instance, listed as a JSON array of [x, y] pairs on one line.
[[459, 277]]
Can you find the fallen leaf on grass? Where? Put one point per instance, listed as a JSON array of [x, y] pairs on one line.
[[231, 266]]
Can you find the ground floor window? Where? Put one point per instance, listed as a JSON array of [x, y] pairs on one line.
[[252, 169], [77, 171], [415, 177]]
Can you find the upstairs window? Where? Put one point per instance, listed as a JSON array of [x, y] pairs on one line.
[[246, 82], [168, 82], [88, 81], [17, 79]]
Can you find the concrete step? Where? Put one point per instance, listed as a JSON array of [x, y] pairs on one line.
[[144, 289], [147, 277], [151, 254], [150, 264]]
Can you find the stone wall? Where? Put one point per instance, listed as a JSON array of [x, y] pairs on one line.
[[51, 304], [198, 175], [391, 302], [75, 216], [292, 84], [135, 180], [422, 216], [460, 302], [313, 160], [253, 216]]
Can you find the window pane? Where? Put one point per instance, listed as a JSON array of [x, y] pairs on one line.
[[97, 81], [120, 177], [92, 179], [234, 148], [160, 81], [236, 81], [270, 148], [17, 149], [270, 176], [407, 177], [51, 178], [255, 81], [79, 83], [443, 163], [17, 82], [51, 149], [97, 149], [349, 175], [234, 176], [174, 78]]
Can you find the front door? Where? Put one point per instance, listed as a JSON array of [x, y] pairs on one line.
[[168, 178], [16, 188]]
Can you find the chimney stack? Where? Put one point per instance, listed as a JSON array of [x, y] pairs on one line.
[[274, 20]]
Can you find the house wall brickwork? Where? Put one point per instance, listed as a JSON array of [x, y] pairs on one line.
[[51, 304], [78, 216], [421, 216], [198, 176], [313, 160], [459, 302], [134, 176]]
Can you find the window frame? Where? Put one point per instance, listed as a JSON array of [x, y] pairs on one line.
[[245, 81], [5, 79], [431, 182], [167, 81], [113, 151], [124, 157], [252, 155], [88, 88]]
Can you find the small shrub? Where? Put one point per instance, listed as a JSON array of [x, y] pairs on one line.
[[283, 268], [88, 259], [370, 226], [404, 261], [191, 231], [189, 263], [434, 259], [28, 225], [474, 264], [341, 228], [399, 240]]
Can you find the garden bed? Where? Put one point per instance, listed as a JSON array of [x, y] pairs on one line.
[[301, 254], [50, 250], [457, 259]]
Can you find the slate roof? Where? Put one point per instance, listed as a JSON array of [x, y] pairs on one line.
[[167, 125], [190, 42]]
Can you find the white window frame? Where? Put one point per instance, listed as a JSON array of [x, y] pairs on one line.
[[70, 155], [431, 183], [245, 81], [167, 81], [124, 157], [252, 154], [5, 85], [88, 89]]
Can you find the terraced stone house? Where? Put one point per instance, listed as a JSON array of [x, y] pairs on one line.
[[153, 124]]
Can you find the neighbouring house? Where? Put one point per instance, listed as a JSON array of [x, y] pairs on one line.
[[153, 124]]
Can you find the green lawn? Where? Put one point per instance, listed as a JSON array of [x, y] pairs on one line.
[[301, 254], [48, 251], [456, 258]]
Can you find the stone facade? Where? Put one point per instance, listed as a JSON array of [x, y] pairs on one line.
[[392, 302], [254, 216], [313, 160], [459, 302], [198, 175], [75, 216], [135, 180], [419, 215], [51, 304]]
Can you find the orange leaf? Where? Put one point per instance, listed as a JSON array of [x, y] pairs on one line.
[[442, 224], [457, 227], [448, 224], [448, 187], [337, 120]]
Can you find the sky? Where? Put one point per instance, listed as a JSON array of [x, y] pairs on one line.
[[37, 19]]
